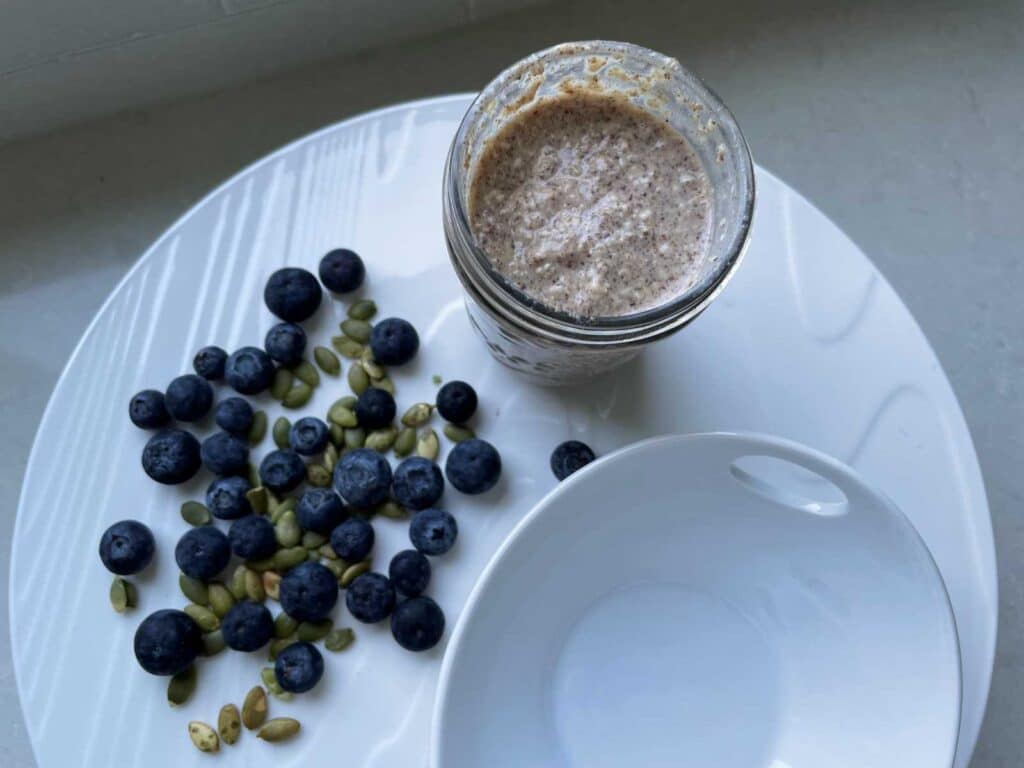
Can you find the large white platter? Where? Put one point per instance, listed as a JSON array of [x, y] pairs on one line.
[[808, 342]]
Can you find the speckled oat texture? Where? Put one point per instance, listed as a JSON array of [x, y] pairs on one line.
[[592, 206]]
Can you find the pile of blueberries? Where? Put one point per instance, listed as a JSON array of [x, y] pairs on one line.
[[168, 641]]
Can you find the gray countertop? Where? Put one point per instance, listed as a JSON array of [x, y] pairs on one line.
[[903, 122]]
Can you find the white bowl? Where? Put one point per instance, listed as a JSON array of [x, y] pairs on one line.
[[716, 601]]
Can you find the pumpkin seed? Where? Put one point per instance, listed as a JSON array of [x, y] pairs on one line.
[[220, 599], [284, 626], [266, 564], [306, 373], [229, 724], [436, 379], [271, 584], [391, 510], [311, 631], [282, 507], [203, 616], [405, 442], [194, 513], [254, 586], [259, 427], [386, 384], [297, 396], [327, 360], [370, 365], [417, 415], [122, 595], [363, 309], [313, 540], [203, 736], [289, 558], [337, 433], [381, 440], [279, 729], [237, 583], [317, 475], [457, 433], [358, 379], [279, 644], [347, 347], [341, 415], [194, 590], [355, 437], [352, 572], [213, 643], [282, 382], [181, 686], [348, 401], [257, 498], [357, 329], [427, 446], [328, 552], [339, 639], [287, 530], [331, 456], [337, 567], [253, 475], [254, 707], [280, 432]]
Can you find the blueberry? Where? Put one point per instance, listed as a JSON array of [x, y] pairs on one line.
[[234, 415], [283, 470], [569, 457], [418, 483], [127, 547], [285, 342], [308, 436], [319, 510], [147, 410], [375, 408], [362, 478], [171, 456], [352, 540], [341, 270], [202, 552], [252, 537], [456, 401], [473, 466], [226, 500], [370, 598], [394, 341], [248, 626], [167, 642], [299, 667], [308, 592], [188, 397], [209, 362], [225, 454], [433, 531], [292, 294], [417, 624], [249, 370], [409, 572]]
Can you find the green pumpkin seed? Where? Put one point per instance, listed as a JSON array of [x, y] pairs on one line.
[[237, 583], [339, 639], [297, 396], [337, 433], [284, 626], [194, 513], [259, 427], [213, 643], [306, 373], [229, 724], [337, 567], [386, 384], [220, 599], [312, 556], [330, 456], [289, 558], [405, 442], [266, 564], [273, 687], [277, 645], [253, 475], [348, 401], [203, 616], [203, 736], [363, 309], [254, 586], [313, 540], [257, 498], [428, 446], [254, 706], [417, 415], [194, 590], [457, 433], [391, 510], [287, 530], [358, 330], [283, 379], [342, 415], [281, 432], [381, 440], [181, 686], [122, 595], [436, 379], [352, 572], [358, 379], [370, 365], [327, 551], [288, 505], [327, 360], [279, 729], [272, 584], [317, 475], [355, 437], [347, 347], [311, 631]]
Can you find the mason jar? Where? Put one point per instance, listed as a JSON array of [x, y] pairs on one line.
[[547, 345]]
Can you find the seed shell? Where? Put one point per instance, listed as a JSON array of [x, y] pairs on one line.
[[194, 513], [229, 724], [339, 639], [181, 686], [254, 707], [203, 736], [428, 446], [279, 729]]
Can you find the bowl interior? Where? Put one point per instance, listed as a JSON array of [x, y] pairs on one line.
[[689, 602]]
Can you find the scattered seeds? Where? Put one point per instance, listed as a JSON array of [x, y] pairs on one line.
[[311, 631], [272, 584], [203, 736], [194, 513], [254, 586], [229, 724], [363, 309], [457, 433], [181, 686], [258, 428], [386, 384], [237, 583], [318, 475], [313, 540], [122, 595], [417, 415], [257, 498], [358, 379], [350, 574], [298, 395], [284, 626], [342, 415], [381, 440], [331, 456], [392, 510], [306, 373], [279, 729], [355, 437], [213, 643], [289, 558], [203, 616], [221, 599], [405, 442], [287, 530], [327, 360], [282, 426], [339, 639], [428, 446], [194, 590], [372, 367], [347, 347], [359, 330], [283, 379], [254, 707]]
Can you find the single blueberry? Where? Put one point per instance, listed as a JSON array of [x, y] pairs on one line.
[[394, 341], [282, 470], [209, 362], [171, 456], [234, 415], [473, 466], [147, 410], [249, 370], [362, 478], [319, 510], [167, 642], [248, 626], [417, 623], [299, 667], [127, 547], [202, 552], [375, 408], [285, 342], [370, 597], [456, 402], [225, 498], [341, 270], [189, 397], [433, 531], [569, 457], [308, 592], [352, 540], [418, 483], [308, 436], [292, 294], [252, 537], [409, 572], [225, 454]]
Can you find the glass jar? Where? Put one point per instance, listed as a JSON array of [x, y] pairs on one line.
[[547, 345]]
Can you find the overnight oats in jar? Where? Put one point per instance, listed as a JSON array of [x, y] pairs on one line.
[[597, 197]]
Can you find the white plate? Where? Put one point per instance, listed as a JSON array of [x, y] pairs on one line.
[[808, 342], [699, 600]]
